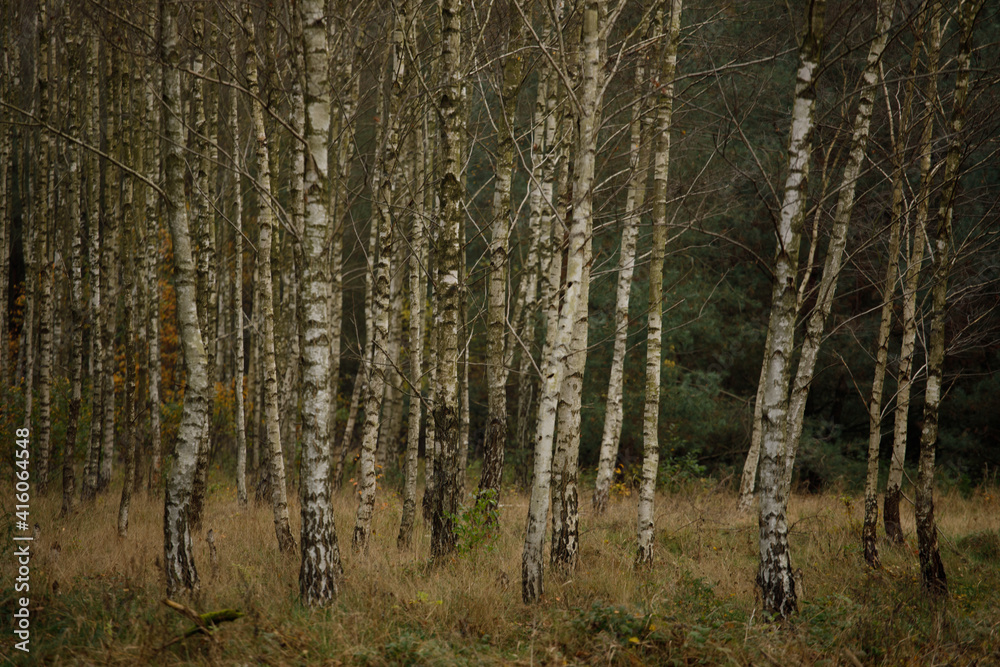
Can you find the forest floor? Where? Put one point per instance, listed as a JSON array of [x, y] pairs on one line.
[[97, 599]]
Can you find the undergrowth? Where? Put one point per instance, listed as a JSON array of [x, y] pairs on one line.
[[97, 599]]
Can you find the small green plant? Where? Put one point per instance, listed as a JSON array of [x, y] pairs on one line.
[[478, 524]]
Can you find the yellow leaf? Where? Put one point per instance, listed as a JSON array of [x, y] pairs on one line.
[[634, 640]]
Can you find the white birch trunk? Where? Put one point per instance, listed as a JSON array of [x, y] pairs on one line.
[[179, 564], [904, 381], [449, 290], [320, 553], [378, 337], [775, 573], [868, 532], [838, 241], [634, 201], [583, 174], [496, 363], [279, 500], [237, 220], [654, 326], [931, 567]]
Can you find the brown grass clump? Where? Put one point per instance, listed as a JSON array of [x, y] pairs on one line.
[[96, 599]]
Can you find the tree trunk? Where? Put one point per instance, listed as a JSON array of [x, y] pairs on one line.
[[418, 294], [749, 477], [868, 533], [279, 500], [44, 213], [838, 241], [76, 230], [893, 527], [386, 157], [177, 545], [130, 265], [151, 266], [320, 553], [931, 567], [654, 326], [496, 363], [92, 122], [449, 287], [204, 124], [588, 97], [109, 267], [775, 573], [237, 220], [639, 163]]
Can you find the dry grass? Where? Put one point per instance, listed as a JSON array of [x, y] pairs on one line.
[[97, 598]]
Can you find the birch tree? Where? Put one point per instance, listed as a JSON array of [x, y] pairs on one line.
[[385, 162], [893, 527], [276, 464], [587, 97], [931, 567], [654, 326], [635, 198], [838, 240], [868, 534], [320, 555], [446, 408], [775, 573], [182, 576], [74, 195], [496, 363]]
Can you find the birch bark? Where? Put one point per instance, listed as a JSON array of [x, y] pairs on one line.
[[654, 326], [583, 174], [893, 527], [838, 241], [634, 201], [385, 162], [448, 288], [182, 576], [931, 567], [320, 553], [868, 532], [775, 573], [279, 499]]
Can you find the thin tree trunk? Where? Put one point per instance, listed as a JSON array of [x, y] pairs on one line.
[[202, 216], [639, 162], [496, 364], [76, 230], [182, 576], [92, 124], [931, 567], [237, 220], [775, 573], [341, 151], [418, 294], [130, 266], [893, 527], [109, 266], [151, 265], [654, 326], [386, 157], [345, 440], [588, 97], [43, 213], [449, 287], [279, 499], [868, 533], [838, 241]]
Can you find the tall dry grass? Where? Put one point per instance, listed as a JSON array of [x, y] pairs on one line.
[[96, 598]]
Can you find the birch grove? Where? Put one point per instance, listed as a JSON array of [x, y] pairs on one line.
[[440, 267]]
